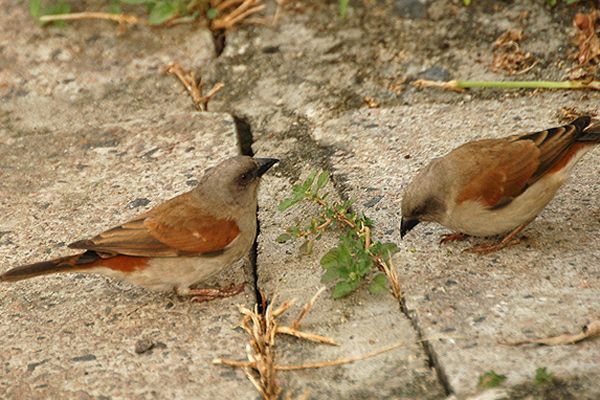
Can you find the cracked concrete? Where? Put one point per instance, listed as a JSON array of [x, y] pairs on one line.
[[92, 133]]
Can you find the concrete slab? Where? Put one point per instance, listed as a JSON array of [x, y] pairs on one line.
[[55, 73], [544, 286], [86, 114]]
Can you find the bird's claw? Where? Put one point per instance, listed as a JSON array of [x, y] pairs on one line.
[[492, 247], [452, 237], [208, 294]]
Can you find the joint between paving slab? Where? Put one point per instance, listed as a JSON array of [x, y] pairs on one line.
[[244, 141], [432, 358], [219, 38]]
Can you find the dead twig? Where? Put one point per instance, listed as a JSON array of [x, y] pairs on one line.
[[123, 19], [306, 335], [449, 85], [262, 329], [319, 364], [390, 271], [307, 307], [385, 266], [244, 9], [589, 331], [340, 361], [120, 18], [193, 86], [460, 86]]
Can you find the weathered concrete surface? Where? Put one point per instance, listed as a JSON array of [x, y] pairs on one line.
[[544, 286], [90, 124], [56, 73]]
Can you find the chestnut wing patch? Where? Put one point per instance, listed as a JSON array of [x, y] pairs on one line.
[[198, 234], [502, 174], [171, 229]]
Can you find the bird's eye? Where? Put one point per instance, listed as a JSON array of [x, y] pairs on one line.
[[245, 178]]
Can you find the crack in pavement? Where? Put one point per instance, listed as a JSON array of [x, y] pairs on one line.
[[219, 38], [432, 358], [245, 141], [341, 186], [319, 155]]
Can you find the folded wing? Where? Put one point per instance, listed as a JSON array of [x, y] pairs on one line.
[[172, 229]]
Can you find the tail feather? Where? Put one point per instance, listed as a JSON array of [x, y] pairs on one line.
[[591, 132], [65, 264]]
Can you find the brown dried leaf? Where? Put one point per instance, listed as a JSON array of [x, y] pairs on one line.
[[508, 37], [568, 114], [587, 39], [508, 55], [371, 102], [590, 330]]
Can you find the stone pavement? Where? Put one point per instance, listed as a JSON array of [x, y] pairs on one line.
[[92, 133]]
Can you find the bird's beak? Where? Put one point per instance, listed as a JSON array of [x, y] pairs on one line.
[[406, 225], [264, 164]]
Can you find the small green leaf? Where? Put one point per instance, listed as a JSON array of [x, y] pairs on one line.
[[298, 190], [378, 284], [162, 12], [307, 184], [330, 275], [134, 2], [212, 13], [322, 180], [344, 255], [59, 8], [284, 237], [467, 2], [343, 8], [490, 380], [386, 250], [35, 8], [287, 203], [342, 289], [330, 259], [306, 248], [363, 263], [542, 376], [115, 8]]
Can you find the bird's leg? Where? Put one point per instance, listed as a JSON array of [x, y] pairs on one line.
[[508, 240], [452, 237], [207, 294]]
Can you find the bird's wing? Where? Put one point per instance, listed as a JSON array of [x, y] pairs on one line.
[[556, 145], [505, 168], [171, 229], [500, 173]]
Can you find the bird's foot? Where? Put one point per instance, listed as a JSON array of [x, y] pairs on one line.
[[452, 237], [509, 240], [493, 247], [208, 294]]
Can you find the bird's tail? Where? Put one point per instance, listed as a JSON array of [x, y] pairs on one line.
[[591, 133], [76, 263]]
